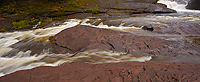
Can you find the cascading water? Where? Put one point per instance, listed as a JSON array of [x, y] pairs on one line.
[[29, 49], [178, 5]]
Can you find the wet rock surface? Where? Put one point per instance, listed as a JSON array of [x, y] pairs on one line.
[[181, 28], [141, 7], [112, 72], [81, 37], [193, 4]]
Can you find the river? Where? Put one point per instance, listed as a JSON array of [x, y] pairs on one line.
[[22, 50]]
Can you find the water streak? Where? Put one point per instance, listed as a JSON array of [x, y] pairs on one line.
[[22, 50]]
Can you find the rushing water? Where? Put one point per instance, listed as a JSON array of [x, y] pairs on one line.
[[28, 49], [179, 7], [21, 50]]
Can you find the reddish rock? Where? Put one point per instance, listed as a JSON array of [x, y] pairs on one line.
[[81, 38], [142, 7], [110, 72], [139, 6]]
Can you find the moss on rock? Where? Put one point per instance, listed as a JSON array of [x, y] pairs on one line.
[[94, 10], [24, 23]]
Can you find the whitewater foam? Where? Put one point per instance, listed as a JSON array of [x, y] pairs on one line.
[[180, 8]]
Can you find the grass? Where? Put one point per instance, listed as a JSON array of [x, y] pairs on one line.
[[24, 23], [21, 24], [57, 7], [9, 7], [38, 7], [3, 29], [43, 6], [94, 10]]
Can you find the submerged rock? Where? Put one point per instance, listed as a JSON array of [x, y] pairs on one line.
[[80, 38]]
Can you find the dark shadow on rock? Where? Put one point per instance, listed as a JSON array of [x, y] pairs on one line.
[[193, 4], [147, 28]]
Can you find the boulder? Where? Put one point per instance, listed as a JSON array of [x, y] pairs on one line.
[[193, 4], [80, 38]]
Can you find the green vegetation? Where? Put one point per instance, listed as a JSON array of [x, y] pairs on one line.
[[70, 49], [3, 29], [45, 21], [71, 5], [21, 24], [10, 7], [43, 6], [38, 7], [46, 11], [24, 23], [95, 10]]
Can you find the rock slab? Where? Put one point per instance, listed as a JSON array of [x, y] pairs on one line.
[[81, 37], [110, 72]]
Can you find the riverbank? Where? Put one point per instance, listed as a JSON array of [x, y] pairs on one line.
[[24, 15]]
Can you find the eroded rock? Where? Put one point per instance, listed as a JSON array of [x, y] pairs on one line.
[[113, 72], [80, 38]]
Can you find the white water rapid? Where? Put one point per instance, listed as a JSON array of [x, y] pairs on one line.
[[16, 48], [178, 7]]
